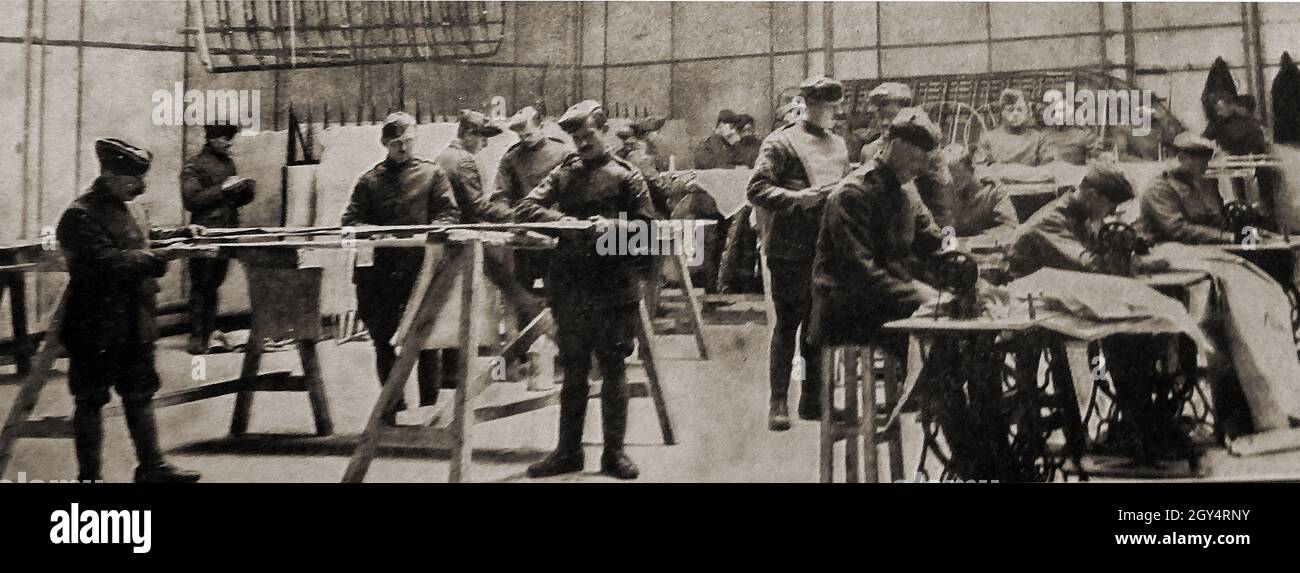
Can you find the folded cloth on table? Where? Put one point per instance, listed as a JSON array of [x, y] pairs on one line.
[[1255, 319]]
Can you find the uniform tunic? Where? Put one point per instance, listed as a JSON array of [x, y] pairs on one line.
[[1073, 145], [1057, 236], [1003, 146], [1174, 208], [467, 185], [713, 153], [981, 207], [201, 192], [523, 167]]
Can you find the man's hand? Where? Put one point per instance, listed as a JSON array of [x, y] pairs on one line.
[[809, 198], [196, 230], [1147, 264]]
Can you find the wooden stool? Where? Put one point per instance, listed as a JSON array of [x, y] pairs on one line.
[[854, 367]]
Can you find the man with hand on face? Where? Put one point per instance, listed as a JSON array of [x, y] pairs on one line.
[[593, 296], [718, 151], [108, 326], [1060, 234], [797, 167], [213, 194], [400, 190], [872, 234]]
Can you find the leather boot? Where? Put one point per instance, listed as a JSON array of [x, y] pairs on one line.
[[568, 456], [88, 435], [144, 434], [778, 415], [810, 403], [613, 422], [430, 377]]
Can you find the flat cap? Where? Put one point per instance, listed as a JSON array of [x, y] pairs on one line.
[[1109, 181], [788, 107], [1192, 143], [213, 131], [821, 89], [1010, 96], [727, 116], [913, 125], [122, 158], [521, 117], [579, 114], [477, 123], [646, 125], [395, 125], [890, 91]]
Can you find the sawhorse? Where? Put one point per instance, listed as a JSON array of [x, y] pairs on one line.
[[461, 256]]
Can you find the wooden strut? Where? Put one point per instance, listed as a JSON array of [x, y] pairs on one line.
[[463, 258]]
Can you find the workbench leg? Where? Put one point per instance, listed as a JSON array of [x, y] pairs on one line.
[[18, 316], [826, 455], [645, 339], [852, 448], [320, 407], [693, 304], [247, 375], [463, 417], [1070, 377], [30, 392], [894, 443], [434, 288]]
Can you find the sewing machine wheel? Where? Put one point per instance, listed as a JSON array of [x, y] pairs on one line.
[[980, 421]]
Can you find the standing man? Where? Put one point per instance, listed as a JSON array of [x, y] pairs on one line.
[[716, 152], [522, 168], [873, 233], [108, 326], [457, 161], [884, 102], [593, 297], [400, 190], [213, 194], [797, 167], [746, 149]]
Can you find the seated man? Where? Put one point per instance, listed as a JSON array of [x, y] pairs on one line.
[[1015, 140], [1059, 235], [1069, 143], [1177, 206], [979, 205], [871, 234]]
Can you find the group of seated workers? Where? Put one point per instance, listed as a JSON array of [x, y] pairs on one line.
[[1017, 139], [876, 232]]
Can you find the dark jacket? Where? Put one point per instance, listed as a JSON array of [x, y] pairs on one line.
[[1238, 135], [112, 288], [522, 168], [416, 192], [745, 152], [779, 177], [713, 153], [873, 236], [1058, 236], [467, 185], [1174, 208], [580, 277], [201, 192]]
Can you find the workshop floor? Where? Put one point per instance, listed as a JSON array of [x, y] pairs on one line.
[[719, 407]]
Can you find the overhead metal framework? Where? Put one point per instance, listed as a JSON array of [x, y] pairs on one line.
[[245, 35]]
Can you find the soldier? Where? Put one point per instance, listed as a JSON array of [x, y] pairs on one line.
[[1060, 234], [872, 234], [1177, 206], [745, 151], [717, 151], [979, 205], [213, 194], [522, 167], [797, 167], [458, 162], [108, 325], [593, 297], [400, 190]]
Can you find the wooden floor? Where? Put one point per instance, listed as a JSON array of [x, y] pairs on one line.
[[719, 407]]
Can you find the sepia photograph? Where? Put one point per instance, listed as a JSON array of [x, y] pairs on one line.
[[650, 242]]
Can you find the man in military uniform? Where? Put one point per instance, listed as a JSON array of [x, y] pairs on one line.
[[797, 167], [522, 167], [213, 194], [593, 297], [717, 151], [457, 161], [980, 206], [1060, 234], [745, 151], [108, 325], [873, 233], [1177, 206], [400, 190]]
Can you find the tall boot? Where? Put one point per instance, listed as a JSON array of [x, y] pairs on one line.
[[613, 420], [88, 434], [568, 456], [384, 359], [430, 376], [144, 434]]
